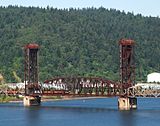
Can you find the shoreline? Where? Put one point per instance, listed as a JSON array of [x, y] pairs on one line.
[[57, 99], [61, 99]]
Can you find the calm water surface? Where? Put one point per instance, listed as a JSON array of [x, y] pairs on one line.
[[93, 112]]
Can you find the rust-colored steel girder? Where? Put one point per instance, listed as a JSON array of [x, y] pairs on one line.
[[127, 63], [81, 86], [31, 69]]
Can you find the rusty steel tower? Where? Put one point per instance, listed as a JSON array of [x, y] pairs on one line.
[[127, 75], [32, 87], [127, 62]]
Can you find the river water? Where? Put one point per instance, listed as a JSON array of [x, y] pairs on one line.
[[91, 112]]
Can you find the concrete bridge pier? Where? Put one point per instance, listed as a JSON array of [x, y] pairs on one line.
[[127, 103], [32, 100]]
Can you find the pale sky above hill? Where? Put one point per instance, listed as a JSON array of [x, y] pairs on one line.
[[144, 7]]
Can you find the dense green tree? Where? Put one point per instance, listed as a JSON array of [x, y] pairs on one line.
[[76, 42]]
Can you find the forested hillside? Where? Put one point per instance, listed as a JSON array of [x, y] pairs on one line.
[[76, 42]]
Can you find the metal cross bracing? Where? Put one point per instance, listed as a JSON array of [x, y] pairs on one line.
[[96, 86], [56, 87], [83, 86], [80, 86], [127, 64], [31, 70]]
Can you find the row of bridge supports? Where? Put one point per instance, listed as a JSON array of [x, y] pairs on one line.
[[124, 103], [127, 75]]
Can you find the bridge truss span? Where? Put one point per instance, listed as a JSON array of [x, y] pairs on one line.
[[81, 86]]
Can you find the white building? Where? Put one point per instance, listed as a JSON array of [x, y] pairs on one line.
[[153, 77]]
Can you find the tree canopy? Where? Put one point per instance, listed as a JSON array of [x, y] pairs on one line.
[[76, 42]]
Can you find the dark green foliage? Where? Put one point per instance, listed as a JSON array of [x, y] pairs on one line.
[[76, 42]]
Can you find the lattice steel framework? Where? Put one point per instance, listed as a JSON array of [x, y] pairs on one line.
[[31, 69], [81, 87], [127, 63]]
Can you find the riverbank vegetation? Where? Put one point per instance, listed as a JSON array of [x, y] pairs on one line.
[[5, 98], [76, 42]]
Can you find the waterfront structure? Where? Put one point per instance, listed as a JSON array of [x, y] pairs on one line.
[[32, 86], [127, 74], [82, 86]]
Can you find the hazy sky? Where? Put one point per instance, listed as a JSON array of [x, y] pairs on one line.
[[145, 7]]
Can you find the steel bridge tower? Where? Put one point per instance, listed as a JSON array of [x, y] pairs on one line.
[[127, 63], [32, 87], [127, 73]]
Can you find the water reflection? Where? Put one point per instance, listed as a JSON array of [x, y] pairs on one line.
[[127, 118], [32, 115], [101, 112], [80, 109]]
